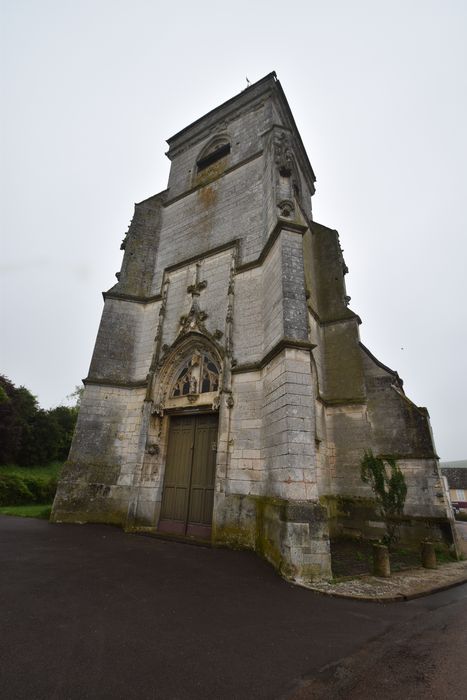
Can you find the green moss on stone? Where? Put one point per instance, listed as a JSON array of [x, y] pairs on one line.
[[234, 537]]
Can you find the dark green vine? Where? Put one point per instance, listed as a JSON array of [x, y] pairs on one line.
[[388, 484]]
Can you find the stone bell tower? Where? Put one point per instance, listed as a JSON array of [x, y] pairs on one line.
[[229, 397]]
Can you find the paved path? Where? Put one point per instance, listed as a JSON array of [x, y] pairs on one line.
[[402, 585], [90, 612]]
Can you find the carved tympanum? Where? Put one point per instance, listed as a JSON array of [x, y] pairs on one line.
[[199, 375]]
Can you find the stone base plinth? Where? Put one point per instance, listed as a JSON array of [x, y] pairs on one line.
[[292, 535]]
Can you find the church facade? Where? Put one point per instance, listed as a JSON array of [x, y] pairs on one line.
[[229, 397]]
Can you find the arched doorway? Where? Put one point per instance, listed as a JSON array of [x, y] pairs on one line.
[[190, 464]]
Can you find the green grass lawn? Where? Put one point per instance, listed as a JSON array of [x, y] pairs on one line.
[[34, 510]]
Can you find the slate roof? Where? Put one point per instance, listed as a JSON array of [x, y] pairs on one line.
[[456, 464], [455, 473]]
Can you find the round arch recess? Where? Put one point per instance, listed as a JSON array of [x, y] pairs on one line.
[[219, 145]]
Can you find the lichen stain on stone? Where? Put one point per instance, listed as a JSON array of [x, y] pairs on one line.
[[107, 517], [234, 537], [211, 173], [207, 196]]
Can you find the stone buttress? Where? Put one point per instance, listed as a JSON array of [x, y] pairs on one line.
[[228, 341]]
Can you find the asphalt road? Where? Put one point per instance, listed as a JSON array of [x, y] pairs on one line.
[[91, 612]]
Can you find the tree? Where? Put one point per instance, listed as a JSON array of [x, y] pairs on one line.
[[65, 417], [17, 408], [388, 484], [76, 395], [9, 430], [30, 435]]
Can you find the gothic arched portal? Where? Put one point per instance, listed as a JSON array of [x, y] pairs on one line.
[[190, 381]]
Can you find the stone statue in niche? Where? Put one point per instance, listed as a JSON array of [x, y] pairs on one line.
[[283, 154]]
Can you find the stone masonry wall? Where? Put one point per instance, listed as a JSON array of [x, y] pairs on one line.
[[125, 341], [228, 257], [288, 429], [227, 209], [141, 246], [106, 446], [249, 329]]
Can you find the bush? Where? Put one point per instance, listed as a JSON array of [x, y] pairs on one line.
[[17, 490], [14, 491], [42, 490]]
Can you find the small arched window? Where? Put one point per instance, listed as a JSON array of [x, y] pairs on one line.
[[216, 150]]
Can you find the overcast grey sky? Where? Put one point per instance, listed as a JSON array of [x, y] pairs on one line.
[[91, 90]]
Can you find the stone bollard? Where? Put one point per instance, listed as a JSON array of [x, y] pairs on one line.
[[428, 555], [381, 565]]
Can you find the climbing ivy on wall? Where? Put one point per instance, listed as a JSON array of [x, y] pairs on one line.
[[388, 484]]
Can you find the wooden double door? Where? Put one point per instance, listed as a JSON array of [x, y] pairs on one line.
[[188, 493]]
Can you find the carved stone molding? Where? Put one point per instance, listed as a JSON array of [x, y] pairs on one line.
[[157, 410], [286, 209], [230, 310], [283, 154], [195, 289], [194, 321], [152, 448]]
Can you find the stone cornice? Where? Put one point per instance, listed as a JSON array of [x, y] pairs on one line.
[[116, 383], [133, 298], [206, 254], [408, 457], [283, 344], [336, 403], [352, 316], [282, 225]]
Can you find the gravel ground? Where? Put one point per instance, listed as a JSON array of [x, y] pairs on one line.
[[401, 585]]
